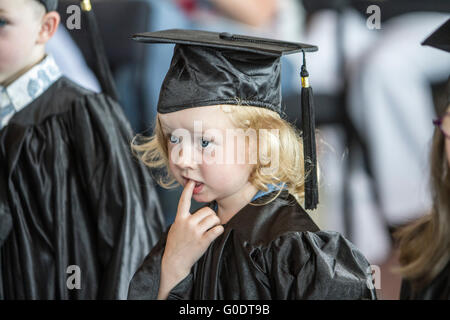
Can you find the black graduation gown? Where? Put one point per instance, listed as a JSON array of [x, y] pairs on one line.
[[437, 289], [273, 251], [71, 193]]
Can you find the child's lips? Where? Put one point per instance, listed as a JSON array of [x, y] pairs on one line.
[[197, 183], [198, 188]]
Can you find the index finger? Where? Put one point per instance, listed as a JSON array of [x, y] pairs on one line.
[[185, 200]]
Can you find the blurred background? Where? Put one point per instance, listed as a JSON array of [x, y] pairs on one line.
[[376, 92]]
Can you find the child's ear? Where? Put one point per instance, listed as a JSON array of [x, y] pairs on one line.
[[50, 23]]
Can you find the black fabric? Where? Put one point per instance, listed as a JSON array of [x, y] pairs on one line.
[[309, 149], [75, 196], [440, 38], [201, 76], [102, 68], [210, 68], [274, 251], [269, 47], [438, 289], [50, 5]]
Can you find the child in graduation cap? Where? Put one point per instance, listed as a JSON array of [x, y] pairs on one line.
[[78, 214], [253, 240]]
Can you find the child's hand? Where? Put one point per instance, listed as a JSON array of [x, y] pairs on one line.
[[187, 240]]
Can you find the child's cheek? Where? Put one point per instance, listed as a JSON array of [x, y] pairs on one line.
[[7, 54], [209, 157], [223, 177], [172, 166], [13, 53]]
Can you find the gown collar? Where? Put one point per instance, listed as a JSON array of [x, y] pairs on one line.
[[29, 86], [271, 188]]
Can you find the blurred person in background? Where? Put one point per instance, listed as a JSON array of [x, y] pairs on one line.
[[424, 244], [390, 103]]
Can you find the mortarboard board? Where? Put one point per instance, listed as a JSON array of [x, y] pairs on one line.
[[440, 38], [210, 68], [50, 5]]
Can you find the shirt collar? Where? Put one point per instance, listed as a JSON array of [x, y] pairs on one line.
[[271, 188], [33, 83]]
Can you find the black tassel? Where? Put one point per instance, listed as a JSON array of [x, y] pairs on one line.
[[309, 141], [103, 70]]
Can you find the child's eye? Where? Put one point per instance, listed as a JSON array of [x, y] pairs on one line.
[[173, 139], [205, 143], [3, 22]]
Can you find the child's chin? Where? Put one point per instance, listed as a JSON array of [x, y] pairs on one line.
[[199, 197]]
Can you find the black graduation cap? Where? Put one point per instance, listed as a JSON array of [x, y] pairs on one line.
[[210, 68], [50, 5], [440, 38]]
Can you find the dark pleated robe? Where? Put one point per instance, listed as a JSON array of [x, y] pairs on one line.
[[71, 193], [274, 251]]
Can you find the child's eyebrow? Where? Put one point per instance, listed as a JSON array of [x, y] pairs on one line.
[[165, 127]]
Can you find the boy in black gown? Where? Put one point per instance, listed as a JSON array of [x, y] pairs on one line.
[[72, 198]]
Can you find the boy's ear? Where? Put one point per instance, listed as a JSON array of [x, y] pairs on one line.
[[50, 23]]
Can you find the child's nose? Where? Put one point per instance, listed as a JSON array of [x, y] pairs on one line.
[[189, 158]]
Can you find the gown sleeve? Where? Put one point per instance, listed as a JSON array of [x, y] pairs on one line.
[[318, 265], [123, 199], [145, 283]]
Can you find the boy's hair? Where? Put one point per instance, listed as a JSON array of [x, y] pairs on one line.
[[49, 5], [289, 173]]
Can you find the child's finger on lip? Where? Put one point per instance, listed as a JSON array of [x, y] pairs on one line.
[[185, 200], [195, 182]]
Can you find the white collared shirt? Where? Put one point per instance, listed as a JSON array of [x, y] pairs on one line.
[[27, 88]]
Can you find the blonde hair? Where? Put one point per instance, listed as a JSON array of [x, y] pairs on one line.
[[153, 150], [424, 243]]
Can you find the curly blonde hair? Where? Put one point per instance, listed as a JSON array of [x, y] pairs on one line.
[[289, 174]]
